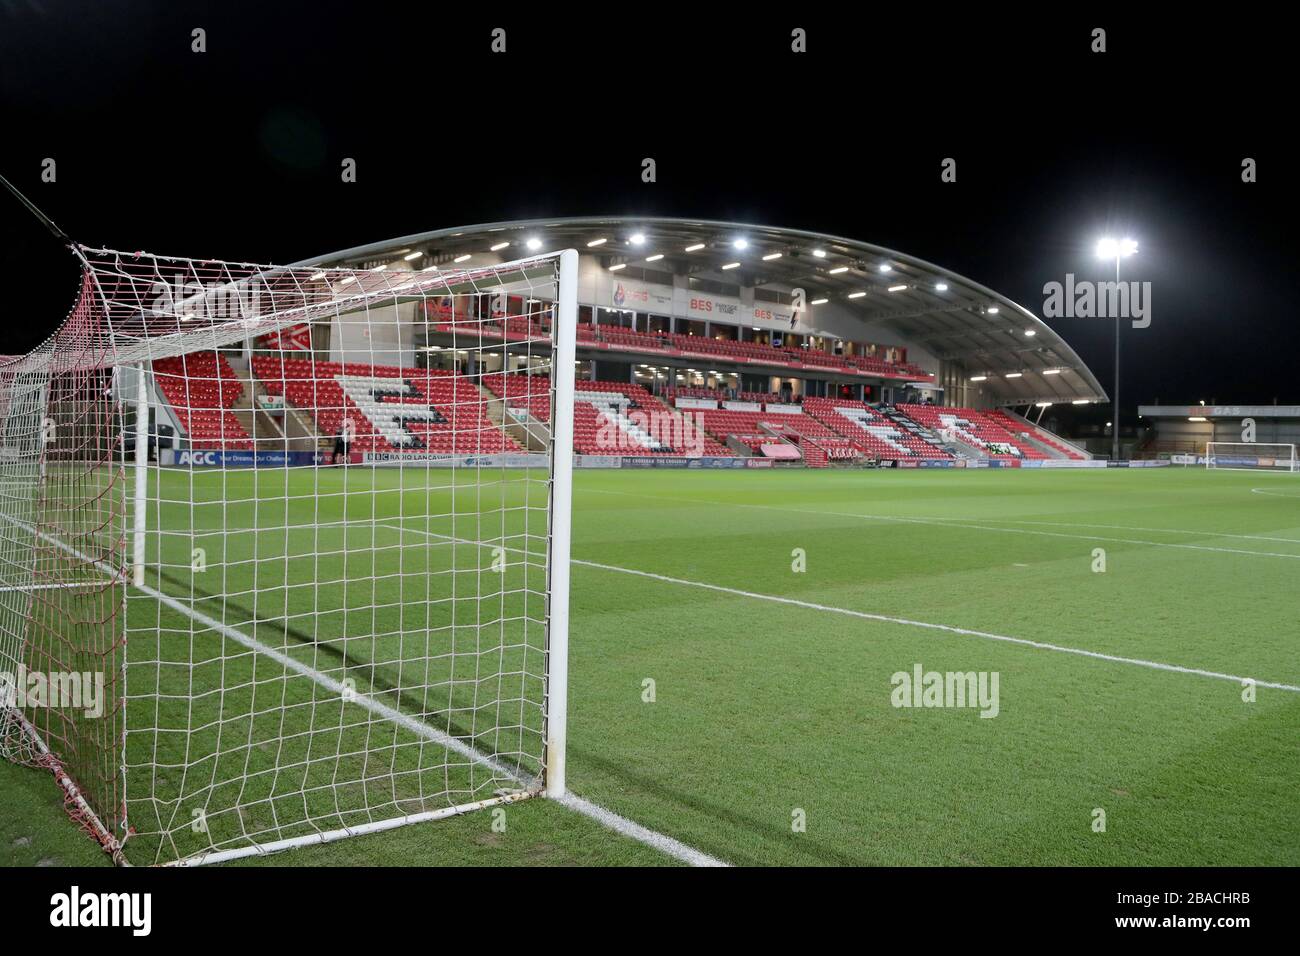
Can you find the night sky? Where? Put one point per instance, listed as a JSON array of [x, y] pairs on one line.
[[235, 153]]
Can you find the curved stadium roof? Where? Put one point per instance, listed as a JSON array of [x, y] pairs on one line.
[[982, 331]]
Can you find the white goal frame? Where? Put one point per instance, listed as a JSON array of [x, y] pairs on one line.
[[110, 562], [1251, 456]]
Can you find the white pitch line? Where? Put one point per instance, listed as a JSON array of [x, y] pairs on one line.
[[664, 844], [1118, 527], [948, 628], [612, 821], [887, 619], [1273, 494]]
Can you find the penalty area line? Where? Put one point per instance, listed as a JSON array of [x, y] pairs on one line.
[[887, 619], [947, 628]]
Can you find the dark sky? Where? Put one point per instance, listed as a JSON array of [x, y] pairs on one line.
[[234, 153]]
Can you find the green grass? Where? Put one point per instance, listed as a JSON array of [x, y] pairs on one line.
[[761, 708]]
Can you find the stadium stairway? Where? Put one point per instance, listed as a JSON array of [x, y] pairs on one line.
[[201, 389], [915, 428], [262, 427], [295, 429], [516, 421]]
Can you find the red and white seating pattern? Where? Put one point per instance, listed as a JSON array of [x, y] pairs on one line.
[[612, 418], [202, 388], [973, 427], [620, 418], [530, 392], [388, 408], [875, 435], [1015, 426]]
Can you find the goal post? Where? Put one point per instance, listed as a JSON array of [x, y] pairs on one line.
[[1250, 456], [557, 564], [295, 569]]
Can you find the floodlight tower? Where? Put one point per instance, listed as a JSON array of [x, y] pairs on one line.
[[1117, 249]]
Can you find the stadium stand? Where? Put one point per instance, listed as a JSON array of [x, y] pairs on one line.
[[444, 412], [978, 429], [874, 434], [520, 328], [392, 409], [767, 446], [718, 395], [202, 388], [611, 418], [645, 425], [1016, 425], [530, 392]]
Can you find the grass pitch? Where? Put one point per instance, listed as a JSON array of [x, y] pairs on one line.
[[770, 611]]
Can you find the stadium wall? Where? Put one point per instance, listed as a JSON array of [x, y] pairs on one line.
[[384, 336], [1173, 426]]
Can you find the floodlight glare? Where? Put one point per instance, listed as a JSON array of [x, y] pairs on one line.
[[1116, 248]]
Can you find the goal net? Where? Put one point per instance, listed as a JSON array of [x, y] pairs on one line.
[[1250, 456], [277, 566]]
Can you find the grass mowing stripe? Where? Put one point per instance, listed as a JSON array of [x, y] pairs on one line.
[[964, 631], [610, 820], [967, 523], [887, 619]]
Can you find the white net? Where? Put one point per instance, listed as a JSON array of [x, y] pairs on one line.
[[1250, 456], [304, 551]]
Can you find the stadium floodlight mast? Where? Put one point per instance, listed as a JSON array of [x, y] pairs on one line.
[[1117, 249]]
